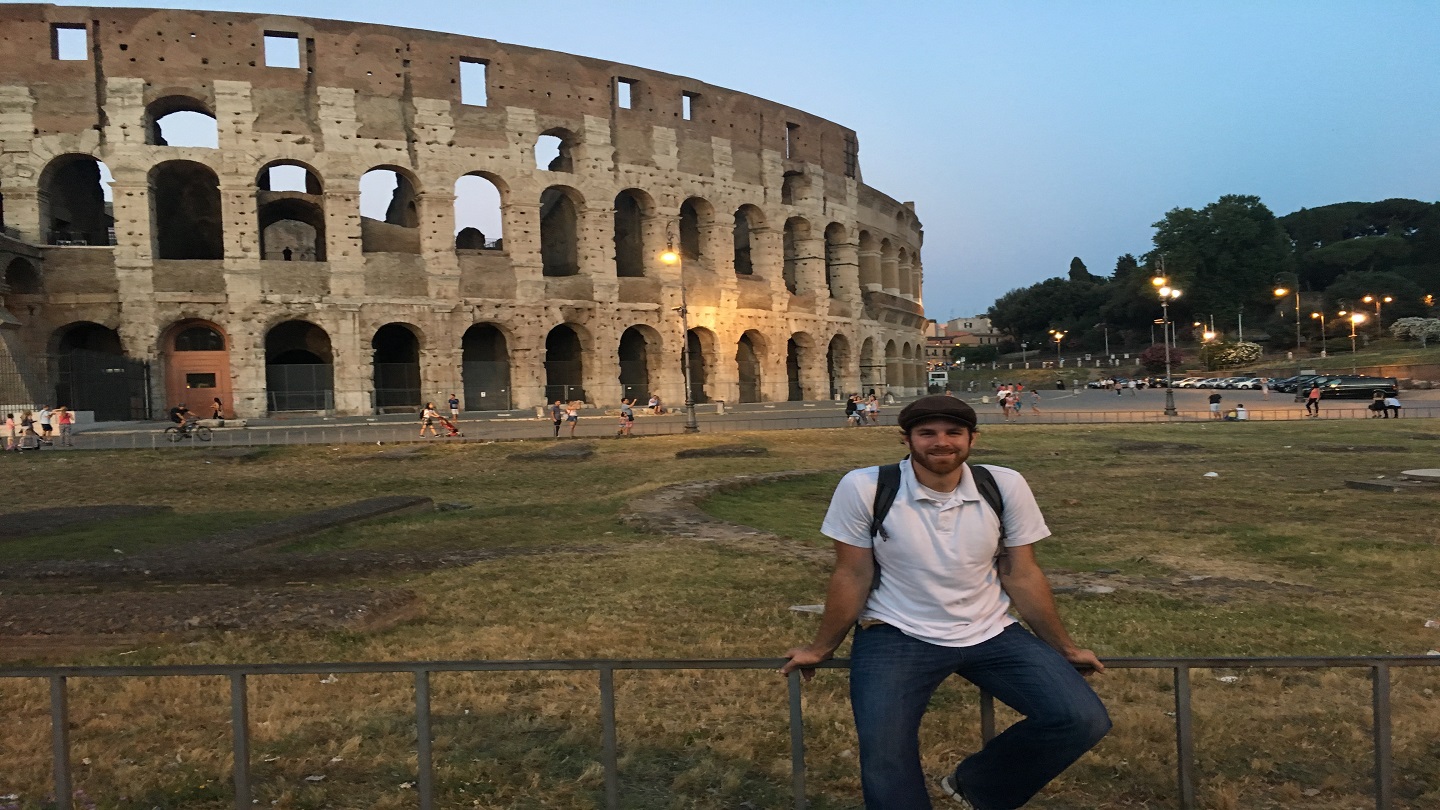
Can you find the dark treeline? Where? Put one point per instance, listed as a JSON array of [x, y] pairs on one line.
[[1229, 258]]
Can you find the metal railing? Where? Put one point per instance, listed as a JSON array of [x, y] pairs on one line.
[[239, 675]]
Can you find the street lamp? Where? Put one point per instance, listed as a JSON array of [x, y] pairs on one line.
[[1167, 294], [1208, 335], [1355, 320], [1059, 336], [1024, 346], [672, 257], [1321, 318], [1377, 300], [1281, 292]]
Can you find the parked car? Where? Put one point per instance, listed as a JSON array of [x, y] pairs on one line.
[[1188, 382], [1358, 387], [1247, 384]]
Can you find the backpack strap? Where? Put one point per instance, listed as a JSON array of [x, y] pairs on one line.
[[887, 486], [990, 491]]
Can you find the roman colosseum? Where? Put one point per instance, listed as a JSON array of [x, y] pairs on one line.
[[357, 218]]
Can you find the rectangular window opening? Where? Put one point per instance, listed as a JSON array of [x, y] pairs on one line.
[[282, 49], [69, 42], [687, 105], [792, 135], [625, 93], [199, 381], [473, 88]]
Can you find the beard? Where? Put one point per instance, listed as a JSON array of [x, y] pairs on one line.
[[940, 463]]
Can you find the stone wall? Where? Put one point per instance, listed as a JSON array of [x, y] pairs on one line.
[[365, 97]]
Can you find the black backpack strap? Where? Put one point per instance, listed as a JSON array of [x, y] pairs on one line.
[[990, 491], [887, 486]]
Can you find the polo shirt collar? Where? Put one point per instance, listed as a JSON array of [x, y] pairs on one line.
[[966, 491]]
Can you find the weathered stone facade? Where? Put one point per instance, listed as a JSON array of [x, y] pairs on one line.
[[799, 280]]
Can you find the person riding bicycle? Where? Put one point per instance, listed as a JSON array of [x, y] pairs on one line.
[[181, 416]]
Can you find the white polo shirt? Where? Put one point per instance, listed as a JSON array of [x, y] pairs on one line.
[[937, 569]]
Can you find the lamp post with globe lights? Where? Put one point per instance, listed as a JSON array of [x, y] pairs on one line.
[[1355, 320], [1281, 292], [671, 257], [1319, 316], [1058, 336], [1377, 300], [1167, 294]]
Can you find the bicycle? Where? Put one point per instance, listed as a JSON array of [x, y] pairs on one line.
[[189, 430]]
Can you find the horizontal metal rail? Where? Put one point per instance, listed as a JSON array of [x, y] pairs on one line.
[[238, 675]]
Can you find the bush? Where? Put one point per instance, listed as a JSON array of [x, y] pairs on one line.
[[1153, 359], [1228, 355], [1421, 329], [975, 354]]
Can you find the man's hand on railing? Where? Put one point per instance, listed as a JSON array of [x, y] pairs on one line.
[[804, 659]]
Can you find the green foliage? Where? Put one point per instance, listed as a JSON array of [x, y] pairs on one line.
[[1421, 329], [1229, 355], [1349, 289], [975, 354], [1078, 271], [1153, 359]]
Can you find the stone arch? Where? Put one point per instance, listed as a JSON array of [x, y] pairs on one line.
[[835, 239], [560, 231], [389, 213], [872, 367], [73, 200], [799, 356], [197, 366], [554, 150], [903, 272], [793, 187], [797, 231], [837, 365], [290, 204], [299, 367], [188, 122], [86, 336], [485, 368], [480, 200], [889, 266], [697, 216], [893, 373], [185, 211], [869, 261], [699, 358], [750, 363], [92, 374], [639, 358], [565, 364], [632, 207], [395, 368], [748, 219], [22, 278], [907, 369]]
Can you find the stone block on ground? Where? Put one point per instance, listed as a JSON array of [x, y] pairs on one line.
[[1388, 485], [398, 454], [724, 451], [237, 453], [565, 451]]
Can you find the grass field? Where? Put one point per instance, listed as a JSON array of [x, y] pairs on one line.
[[1273, 557]]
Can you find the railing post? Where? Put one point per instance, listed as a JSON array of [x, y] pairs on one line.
[[987, 717], [1184, 739], [424, 773], [240, 739], [1384, 777], [60, 741], [608, 756], [797, 742]]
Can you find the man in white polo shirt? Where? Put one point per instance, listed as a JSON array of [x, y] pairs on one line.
[[941, 607]]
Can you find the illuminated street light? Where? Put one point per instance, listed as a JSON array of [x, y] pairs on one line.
[[672, 258], [1281, 292], [1321, 318], [1167, 294], [1355, 320], [1377, 300], [1058, 336]]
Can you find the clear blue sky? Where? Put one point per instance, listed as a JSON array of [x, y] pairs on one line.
[[1031, 132]]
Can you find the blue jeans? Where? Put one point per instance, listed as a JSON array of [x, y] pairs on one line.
[[892, 677]]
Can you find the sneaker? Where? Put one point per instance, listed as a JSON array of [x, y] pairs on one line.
[[948, 786]]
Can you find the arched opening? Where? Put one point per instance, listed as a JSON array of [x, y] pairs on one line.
[[699, 359], [889, 267], [395, 363], [793, 350], [695, 214], [291, 207], [834, 241], [185, 211], [869, 261], [479, 223], [299, 368], [747, 359], [181, 121], [872, 368], [747, 219], [837, 360], [485, 368], [553, 151], [93, 374], [564, 365], [559, 232], [907, 368], [197, 368], [893, 376], [902, 274], [636, 349], [629, 235], [75, 202], [389, 214], [797, 230], [792, 188], [22, 278]]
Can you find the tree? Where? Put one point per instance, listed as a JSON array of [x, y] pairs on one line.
[[1421, 329], [1349, 289], [1078, 271], [1228, 355], [975, 354], [1153, 359]]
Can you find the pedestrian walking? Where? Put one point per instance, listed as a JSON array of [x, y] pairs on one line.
[[1035, 400], [65, 425], [43, 419], [557, 415], [627, 417], [954, 559], [217, 409], [1312, 401], [8, 430], [572, 417], [872, 410], [428, 415], [1215, 405], [1265, 388]]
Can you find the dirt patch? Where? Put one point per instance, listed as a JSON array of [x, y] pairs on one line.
[[1358, 448], [560, 452], [41, 521], [1154, 447], [724, 451]]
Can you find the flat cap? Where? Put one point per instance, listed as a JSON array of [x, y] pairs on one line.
[[937, 406]]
